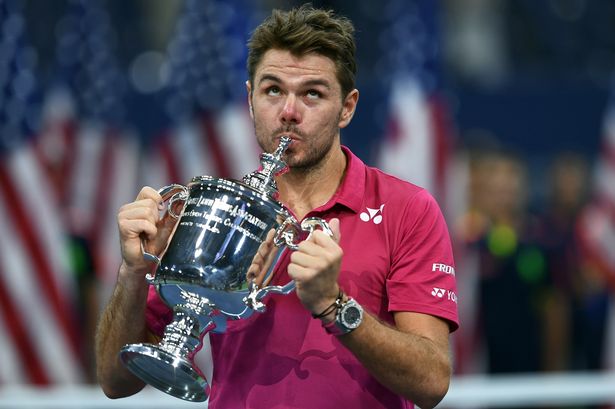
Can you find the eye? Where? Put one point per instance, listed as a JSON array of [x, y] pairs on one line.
[[313, 94], [273, 91]]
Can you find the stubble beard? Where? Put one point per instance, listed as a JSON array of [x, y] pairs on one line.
[[314, 154]]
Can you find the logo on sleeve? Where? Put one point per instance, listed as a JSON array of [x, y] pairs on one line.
[[375, 215], [441, 293], [438, 292], [444, 268]]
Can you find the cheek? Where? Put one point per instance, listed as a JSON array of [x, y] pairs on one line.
[[327, 123], [264, 117], [258, 119]]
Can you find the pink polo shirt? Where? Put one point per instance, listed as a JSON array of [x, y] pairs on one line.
[[397, 257]]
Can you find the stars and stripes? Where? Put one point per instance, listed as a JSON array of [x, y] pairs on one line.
[[418, 139], [207, 103], [596, 227], [40, 342], [96, 156], [70, 160]]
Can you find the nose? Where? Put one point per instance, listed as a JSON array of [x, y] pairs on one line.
[[290, 113]]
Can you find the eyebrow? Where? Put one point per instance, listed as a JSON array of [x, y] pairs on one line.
[[312, 82]]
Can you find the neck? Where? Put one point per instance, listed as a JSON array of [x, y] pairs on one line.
[[303, 190]]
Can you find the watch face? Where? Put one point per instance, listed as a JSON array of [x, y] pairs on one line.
[[352, 315]]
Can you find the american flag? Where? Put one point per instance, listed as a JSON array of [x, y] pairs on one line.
[[418, 136], [596, 226], [419, 139], [40, 341], [89, 167], [89, 151], [211, 131]]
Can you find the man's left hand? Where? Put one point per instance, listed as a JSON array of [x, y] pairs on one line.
[[315, 267]]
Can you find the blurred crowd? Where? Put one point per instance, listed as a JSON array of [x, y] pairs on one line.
[[535, 300]]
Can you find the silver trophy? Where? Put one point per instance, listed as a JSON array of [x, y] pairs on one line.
[[216, 267]]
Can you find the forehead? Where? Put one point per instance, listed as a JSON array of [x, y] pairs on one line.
[[287, 66]]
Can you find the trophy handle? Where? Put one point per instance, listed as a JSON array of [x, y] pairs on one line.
[[286, 235], [172, 193], [289, 230]]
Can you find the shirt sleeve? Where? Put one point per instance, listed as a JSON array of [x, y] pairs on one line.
[[157, 314], [422, 276]]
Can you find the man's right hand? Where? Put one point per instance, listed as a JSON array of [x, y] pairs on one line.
[[123, 319], [139, 222]]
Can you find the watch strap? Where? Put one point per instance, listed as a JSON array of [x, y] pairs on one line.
[[334, 329]]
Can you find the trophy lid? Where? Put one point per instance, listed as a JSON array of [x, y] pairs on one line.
[[272, 165]]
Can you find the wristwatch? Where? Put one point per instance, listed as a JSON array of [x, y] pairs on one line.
[[348, 318]]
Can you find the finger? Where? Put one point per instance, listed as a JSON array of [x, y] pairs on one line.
[[306, 260], [144, 210], [135, 228], [270, 236], [168, 221], [265, 247], [310, 247], [320, 237], [139, 212], [334, 224], [147, 203], [150, 193], [255, 267], [318, 251], [327, 244], [299, 273]]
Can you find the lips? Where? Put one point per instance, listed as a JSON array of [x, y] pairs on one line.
[[294, 138], [291, 131]]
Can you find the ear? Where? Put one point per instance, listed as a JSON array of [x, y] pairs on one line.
[[348, 108], [249, 91]]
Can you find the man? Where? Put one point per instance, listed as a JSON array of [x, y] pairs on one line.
[[390, 252]]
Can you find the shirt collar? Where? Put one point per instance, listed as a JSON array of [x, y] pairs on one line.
[[351, 191]]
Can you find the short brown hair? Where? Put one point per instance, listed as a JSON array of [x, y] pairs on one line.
[[305, 30]]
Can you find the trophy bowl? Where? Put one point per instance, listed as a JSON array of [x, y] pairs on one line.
[[217, 266]]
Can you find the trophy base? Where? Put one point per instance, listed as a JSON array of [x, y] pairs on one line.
[[171, 374]]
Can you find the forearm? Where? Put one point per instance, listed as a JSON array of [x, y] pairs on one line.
[[411, 365], [122, 322]]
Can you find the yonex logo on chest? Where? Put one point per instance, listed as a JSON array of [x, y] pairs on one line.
[[375, 215]]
